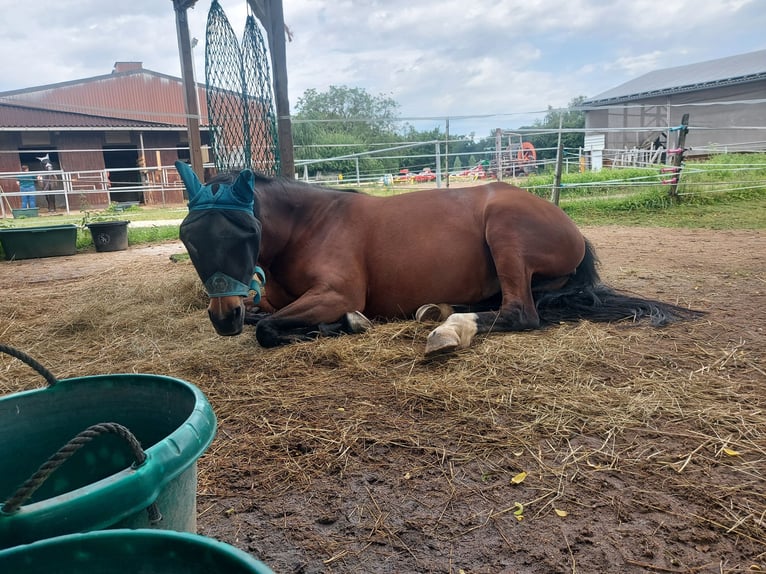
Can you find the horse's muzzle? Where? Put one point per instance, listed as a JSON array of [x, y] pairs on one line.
[[227, 314]]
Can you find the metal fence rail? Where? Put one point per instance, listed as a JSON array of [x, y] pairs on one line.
[[87, 189]]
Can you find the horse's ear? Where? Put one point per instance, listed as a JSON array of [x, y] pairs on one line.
[[243, 186], [190, 179]]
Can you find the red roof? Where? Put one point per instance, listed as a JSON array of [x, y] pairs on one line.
[[24, 116], [134, 97]]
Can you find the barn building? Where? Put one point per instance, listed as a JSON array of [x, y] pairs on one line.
[[724, 99], [115, 131]]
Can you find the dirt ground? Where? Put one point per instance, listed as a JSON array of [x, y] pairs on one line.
[[337, 470]]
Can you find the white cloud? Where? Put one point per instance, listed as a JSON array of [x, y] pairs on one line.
[[435, 58]]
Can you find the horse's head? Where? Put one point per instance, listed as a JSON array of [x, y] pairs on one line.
[[223, 239], [46, 161]]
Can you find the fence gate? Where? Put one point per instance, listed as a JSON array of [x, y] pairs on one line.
[[240, 100]]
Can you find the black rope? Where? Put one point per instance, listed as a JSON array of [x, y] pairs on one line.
[[39, 477], [22, 356]]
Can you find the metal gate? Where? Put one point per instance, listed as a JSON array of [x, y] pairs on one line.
[[240, 100]]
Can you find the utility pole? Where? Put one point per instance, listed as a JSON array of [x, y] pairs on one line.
[[190, 85]]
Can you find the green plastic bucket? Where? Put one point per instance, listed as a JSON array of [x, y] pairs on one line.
[[130, 552], [101, 485]]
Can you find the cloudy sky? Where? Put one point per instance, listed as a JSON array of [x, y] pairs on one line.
[[499, 62]]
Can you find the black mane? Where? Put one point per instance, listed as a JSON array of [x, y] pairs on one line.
[[263, 180]]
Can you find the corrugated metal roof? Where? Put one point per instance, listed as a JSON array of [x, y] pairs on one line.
[[137, 95], [721, 72], [23, 116]]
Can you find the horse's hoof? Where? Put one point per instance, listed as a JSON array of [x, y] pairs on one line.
[[441, 343], [357, 322], [433, 312]]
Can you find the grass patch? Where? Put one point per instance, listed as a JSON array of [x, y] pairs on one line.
[[724, 192], [740, 214], [136, 236], [154, 234], [604, 183]]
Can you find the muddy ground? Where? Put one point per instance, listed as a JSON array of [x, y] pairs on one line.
[[633, 450]]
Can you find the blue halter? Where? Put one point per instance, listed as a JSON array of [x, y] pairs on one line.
[[238, 196], [222, 285]]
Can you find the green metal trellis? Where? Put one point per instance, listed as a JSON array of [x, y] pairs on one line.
[[240, 100]]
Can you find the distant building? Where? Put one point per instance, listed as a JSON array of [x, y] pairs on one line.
[[128, 119], [725, 100]]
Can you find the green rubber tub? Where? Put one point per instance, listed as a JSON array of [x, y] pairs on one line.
[[102, 485], [41, 241], [130, 552]]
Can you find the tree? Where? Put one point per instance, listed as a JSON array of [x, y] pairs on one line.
[[349, 110], [343, 121], [571, 117]]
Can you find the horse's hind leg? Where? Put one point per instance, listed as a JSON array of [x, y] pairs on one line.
[[456, 332], [459, 329], [516, 313], [440, 312]]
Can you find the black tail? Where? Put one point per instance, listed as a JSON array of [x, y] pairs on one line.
[[586, 297]]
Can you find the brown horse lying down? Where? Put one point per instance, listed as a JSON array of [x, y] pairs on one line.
[[490, 258]]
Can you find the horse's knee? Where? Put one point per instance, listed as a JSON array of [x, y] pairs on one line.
[[456, 332]]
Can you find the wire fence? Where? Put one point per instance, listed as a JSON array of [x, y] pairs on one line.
[[637, 171], [83, 190]]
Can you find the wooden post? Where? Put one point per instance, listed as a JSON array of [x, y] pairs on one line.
[[678, 156], [556, 191], [279, 66], [190, 86], [272, 17]]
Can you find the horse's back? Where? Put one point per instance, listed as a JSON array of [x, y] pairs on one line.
[[466, 214], [444, 245], [465, 200]]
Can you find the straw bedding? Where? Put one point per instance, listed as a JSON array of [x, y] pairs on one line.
[[583, 447]]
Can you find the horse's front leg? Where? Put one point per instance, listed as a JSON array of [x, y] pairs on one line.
[[255, 312], [255, 316], [317, 313]]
